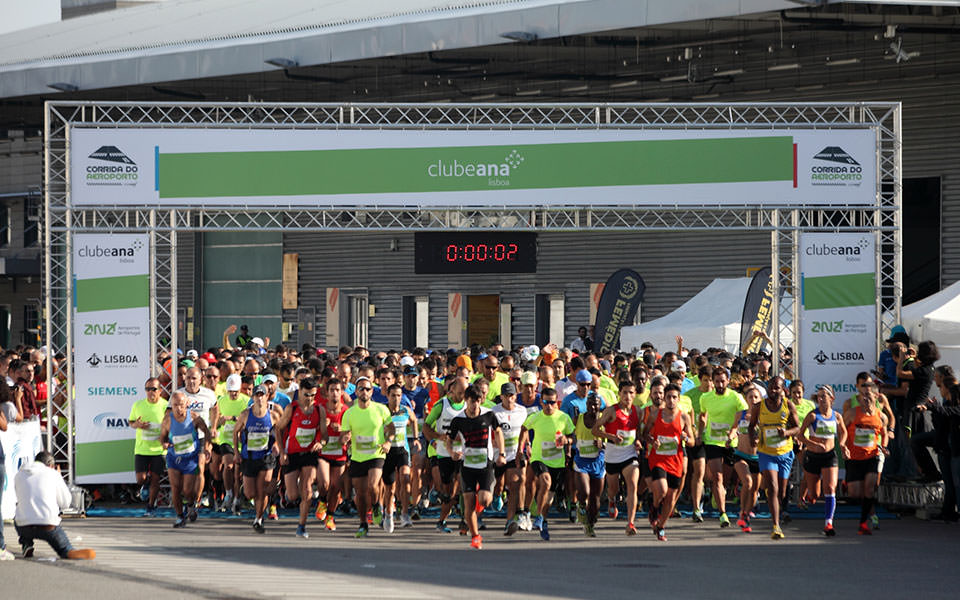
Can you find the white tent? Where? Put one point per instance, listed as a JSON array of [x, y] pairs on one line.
[[711, 319], [937, 318]]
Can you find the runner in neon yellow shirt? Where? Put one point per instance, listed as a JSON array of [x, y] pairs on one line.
[[718, 426], [222, 464], [146, 416], [368, 428], [551, 430]]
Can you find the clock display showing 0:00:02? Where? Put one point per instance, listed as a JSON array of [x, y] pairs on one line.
[[481, 253]]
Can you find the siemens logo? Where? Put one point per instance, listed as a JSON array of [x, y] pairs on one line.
[[117, 390]]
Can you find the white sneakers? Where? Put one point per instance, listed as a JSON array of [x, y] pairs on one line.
[[6, 555], [388, 522], [405, 520]]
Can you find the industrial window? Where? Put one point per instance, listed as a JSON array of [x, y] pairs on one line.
[[4, 225], [31, 220]]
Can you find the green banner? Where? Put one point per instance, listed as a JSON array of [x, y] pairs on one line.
[[99, 458], [475, 168], [111, 293], [838, 291]]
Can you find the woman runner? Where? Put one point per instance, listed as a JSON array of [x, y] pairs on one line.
[[256, 445], [819, 432]]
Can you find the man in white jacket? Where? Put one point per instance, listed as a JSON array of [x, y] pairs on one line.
[[41, 496]]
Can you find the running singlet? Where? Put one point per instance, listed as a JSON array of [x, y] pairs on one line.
[[587, 448], [440, 418], [303, 430], [822, 427], [863, 435], [257, 436], [544, 428], [366, 427], [511, 422], [769, 421], [721, 412], [669, 454], [626, 424], [183, 436], [148, 440], [401, 419], [230, 409], [476, 433], [333, 449]]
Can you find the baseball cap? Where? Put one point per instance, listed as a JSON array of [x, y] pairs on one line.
[[528, 378], [259, 390], [508, 389], [679, 365], [464, 361], [410, 370], [233, 383], [269, 377], [900, 336], [529, 353], [209, 357], [406, 361], [187, 363], [257, 341], [584, 376], [193, 354]]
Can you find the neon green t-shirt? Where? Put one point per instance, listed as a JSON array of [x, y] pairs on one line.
[[721, 415], [230, 409], [366, 427], [545, 428], [586, 441], [148, 440], [694, 395], [607, 382], [433, 417], [494, 390], [804, 408]]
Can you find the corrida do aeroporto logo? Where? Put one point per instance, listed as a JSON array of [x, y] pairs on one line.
[[122, 170], [845, 170], [497, 174]]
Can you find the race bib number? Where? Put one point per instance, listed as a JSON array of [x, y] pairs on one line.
[[512, 441], [743, 427], [366, 443], [629, 436], [825, 429], [773, 437], [475, 457], [864, 437], [587, 449], [228, 428], [332, 447], [152, 434], [550, 451], [669, 445], [719, 431], [305, 436], [184, 444], [258, 440]]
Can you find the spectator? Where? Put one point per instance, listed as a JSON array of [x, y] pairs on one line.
[[41, 496], [919, 378], [22, 372], [4, 553], [582, 343]]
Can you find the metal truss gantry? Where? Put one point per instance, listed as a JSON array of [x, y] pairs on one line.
[[785, 223]]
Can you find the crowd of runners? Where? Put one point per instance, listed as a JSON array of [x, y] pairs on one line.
[[388, 435], [400, 437]]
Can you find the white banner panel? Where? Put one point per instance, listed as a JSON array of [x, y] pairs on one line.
[[838, 314], [226, 167], [112, 350], [21, 442]]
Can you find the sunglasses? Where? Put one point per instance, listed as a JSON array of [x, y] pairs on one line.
[[151, 389], [548, 401], [365, 389], [210, 376], [491, 367]]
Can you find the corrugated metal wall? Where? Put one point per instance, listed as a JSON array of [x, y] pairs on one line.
[[675, 266]]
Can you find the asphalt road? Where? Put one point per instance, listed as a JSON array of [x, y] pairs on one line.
[[215, 558]]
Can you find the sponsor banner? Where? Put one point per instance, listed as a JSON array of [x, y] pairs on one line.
[[838, 314], [111, 349], [210, 167], [757, 311], [618, 306], [21, 442]]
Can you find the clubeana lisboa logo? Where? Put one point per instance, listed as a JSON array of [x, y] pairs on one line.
[[112, 167], [836, 250], [125, 254], [835, 166], [496, 173]]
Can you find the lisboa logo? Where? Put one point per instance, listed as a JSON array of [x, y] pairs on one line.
[[821, 358], [94, 360], [629, 288]]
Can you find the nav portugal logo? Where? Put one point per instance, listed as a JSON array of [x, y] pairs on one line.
[[841, 168], [119, 169], [110, 420]]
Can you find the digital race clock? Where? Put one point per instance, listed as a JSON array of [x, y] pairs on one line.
[[466, 252]]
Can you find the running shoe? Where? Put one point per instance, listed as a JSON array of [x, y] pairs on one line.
[[589, 530], [864, 529], [415, 513], [544, 531], [573, 512], [582, 515], [192, 514], [362, 531], [612, 511], [330, 524], [150, 511], [180, 522], [258, 526], [442, 527], [874, 521], [432, 498], [724, 520], [321, 513], [6, 555], [777, 533], [527, 523], [512, 526], [697, 517], [406, 521], [236, 506], [26, 550], [377, 515], [227, 503], [144, 493], [302, 531], [747, 528], [497, 503], [476, 542], [662, 534], [388, 522], [741, 523], [463, 527], [829, 531], [272, 515], [631, 529]]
